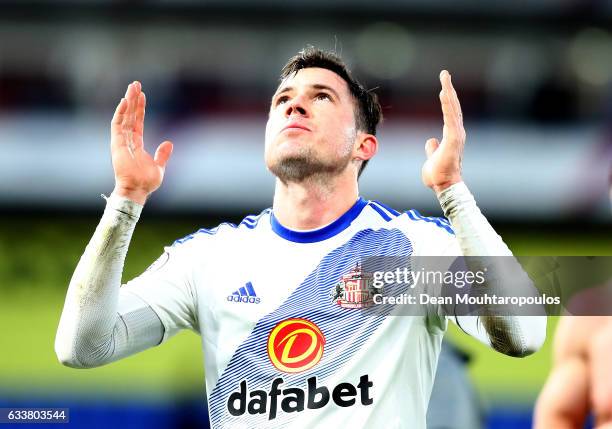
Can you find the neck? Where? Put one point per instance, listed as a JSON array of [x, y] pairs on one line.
[[314, 203]]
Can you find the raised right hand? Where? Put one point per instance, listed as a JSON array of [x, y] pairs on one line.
[[137, 174]]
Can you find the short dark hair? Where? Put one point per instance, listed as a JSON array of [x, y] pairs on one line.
[[368, 113]]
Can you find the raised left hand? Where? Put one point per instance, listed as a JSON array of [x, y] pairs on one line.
[[443, 166]]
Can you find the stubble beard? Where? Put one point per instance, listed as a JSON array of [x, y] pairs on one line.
[[306, 166]]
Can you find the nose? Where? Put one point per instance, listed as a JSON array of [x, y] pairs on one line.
[[296, 107]]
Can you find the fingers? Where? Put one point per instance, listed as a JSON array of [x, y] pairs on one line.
[[140, 113], [451, 110], [130, 111], [132, 94], [119, 113], [447, 86], [447, 101], [131, 126], [430, 146], [162, 154]]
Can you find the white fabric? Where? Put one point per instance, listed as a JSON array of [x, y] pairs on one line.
[[99, 323], [515, 336]]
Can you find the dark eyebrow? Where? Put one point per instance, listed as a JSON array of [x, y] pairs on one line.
[[328, 88], [285, 89], [315, 86]]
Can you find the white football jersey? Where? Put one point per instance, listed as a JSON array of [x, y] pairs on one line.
[[286, 342]]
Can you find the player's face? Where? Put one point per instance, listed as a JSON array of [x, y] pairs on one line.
[[311, 126]]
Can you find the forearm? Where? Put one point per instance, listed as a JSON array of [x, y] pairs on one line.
[[475, 235], [512, 335], [98, 323]]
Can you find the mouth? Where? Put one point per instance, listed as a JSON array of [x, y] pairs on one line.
[[295, 126]]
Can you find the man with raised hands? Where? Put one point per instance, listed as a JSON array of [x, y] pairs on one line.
[[279, 348]]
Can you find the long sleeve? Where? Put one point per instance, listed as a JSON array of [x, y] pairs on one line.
[[510, 334], [101, 323]]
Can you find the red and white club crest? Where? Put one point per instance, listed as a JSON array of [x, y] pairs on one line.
[[355, 289]]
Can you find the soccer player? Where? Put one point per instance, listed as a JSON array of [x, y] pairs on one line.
[[278, 349]]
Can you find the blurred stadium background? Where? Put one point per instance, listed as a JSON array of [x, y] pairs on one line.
[[534, 79]]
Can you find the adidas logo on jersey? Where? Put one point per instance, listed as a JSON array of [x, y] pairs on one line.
[[245, 294]]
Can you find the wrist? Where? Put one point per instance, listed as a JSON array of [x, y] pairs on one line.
[[438, 189], [453, 197], [134, 195], [117, 203]]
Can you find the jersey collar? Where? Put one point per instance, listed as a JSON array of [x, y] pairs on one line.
[[320, 234]]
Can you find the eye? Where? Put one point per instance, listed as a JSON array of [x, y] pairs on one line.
[[323, 96], [282, 99]]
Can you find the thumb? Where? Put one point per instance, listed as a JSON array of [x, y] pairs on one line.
[[430, 146], [162, 154]]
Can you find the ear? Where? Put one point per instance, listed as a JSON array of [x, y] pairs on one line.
[[366, 146]]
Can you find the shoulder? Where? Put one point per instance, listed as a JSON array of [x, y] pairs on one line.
[[411, 219], [439, 223], [429, 235], [224, 231]]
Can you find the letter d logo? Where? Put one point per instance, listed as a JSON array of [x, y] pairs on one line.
[[295, 345]]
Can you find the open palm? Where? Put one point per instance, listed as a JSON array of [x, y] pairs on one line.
[[443, 166], [137, 174]]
